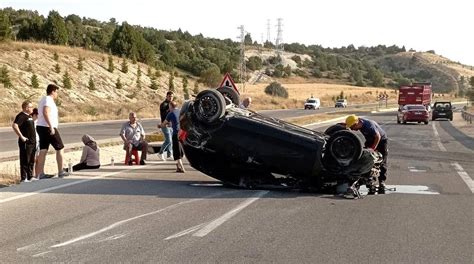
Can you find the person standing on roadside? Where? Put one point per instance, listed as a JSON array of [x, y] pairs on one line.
[[47, 128], [24, 127], [166, 130], [37, 148], [173, 119]]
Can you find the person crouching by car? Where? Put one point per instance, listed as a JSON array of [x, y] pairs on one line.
[[90, 158], [173, 119], [375, 138]]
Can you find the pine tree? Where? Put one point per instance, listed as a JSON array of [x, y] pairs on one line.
[[79, 63], [153, 85], [34, 81], [118, 84], [55, 56], [124, 65], [196, 88], [27, 55], [55, 29], [30, 68], [171, 83], [91, 85], [111, 64], [139, 72], [67, 80], [5, 78], [5, 27], [150, 72], [185, 88], [57, 69]]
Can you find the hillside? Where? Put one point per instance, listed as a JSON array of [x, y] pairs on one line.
[[80, 103]]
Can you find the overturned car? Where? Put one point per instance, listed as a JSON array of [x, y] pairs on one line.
[[243, 148]]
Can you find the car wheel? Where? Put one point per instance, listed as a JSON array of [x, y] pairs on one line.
[[334, 128], [426, 122], [345, 147], [230, 93], [209, 106]]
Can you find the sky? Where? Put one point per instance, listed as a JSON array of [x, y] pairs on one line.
[[440, 25]]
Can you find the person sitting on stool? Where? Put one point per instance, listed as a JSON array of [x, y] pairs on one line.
[[133, 136]]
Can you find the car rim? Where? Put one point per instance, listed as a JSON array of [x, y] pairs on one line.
[[208, 106], [343, 148]]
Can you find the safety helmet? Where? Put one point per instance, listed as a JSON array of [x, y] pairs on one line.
[[351, 120]]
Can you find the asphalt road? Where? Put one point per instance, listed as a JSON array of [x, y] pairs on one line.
[[152, 214], [109, 130]]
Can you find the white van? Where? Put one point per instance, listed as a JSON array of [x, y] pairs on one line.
[[312, 103]]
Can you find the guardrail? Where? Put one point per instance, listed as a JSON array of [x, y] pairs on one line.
[[467, 116]]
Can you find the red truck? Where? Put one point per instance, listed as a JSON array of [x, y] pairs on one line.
[[417, 93]]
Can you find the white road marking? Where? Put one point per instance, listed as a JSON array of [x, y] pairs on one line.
[[66, 185], [219, 221], [437, 138], [464, 176], [41, 254], [207, 184], [114, 237], [414, 169], [405, 189], [185, 232], [119, 223]]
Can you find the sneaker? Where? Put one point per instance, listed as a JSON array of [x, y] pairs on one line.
[[63, 174], [45, 176], [162, 156], [25, 180], [142, 162], [34, 179]]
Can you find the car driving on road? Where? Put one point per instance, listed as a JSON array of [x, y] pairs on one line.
[[413, 113], [442, 110], [341, 103], [312, 103]]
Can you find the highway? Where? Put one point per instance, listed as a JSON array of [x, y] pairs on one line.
[[151, 214]]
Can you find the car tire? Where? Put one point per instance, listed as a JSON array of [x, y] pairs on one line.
[[345, 147], [334, 128], [230, 93], [426, 122], [209, 106]]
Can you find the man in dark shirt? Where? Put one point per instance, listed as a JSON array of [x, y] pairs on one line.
[[167, 143], [375, 138], [24, 127]]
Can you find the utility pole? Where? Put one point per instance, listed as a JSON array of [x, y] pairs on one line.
[[242, 75], [279, 39]]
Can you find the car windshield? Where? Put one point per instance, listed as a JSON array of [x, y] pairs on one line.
[[312, 101], [341, 101], [415, 107], [445, 105]]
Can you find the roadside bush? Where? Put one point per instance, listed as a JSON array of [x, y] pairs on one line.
[[67, 81], [275, 89], [91, 85], [34, 81]]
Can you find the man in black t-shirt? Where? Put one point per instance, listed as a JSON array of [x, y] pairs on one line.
[[167, 145], [24, 127]]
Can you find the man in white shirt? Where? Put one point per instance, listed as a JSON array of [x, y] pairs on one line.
[[133, 136], [47, 128]]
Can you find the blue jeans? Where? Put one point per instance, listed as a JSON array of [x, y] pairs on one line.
[[167, 144]]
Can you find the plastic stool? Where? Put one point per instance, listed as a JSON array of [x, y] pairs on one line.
[[134, 153]]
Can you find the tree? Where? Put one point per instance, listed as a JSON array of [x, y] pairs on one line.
[[111, 64], [211, 76], [118, 84], [57, 69], [275, 89], [91, 85], [55, 29], [55, 56], [171, 82], [5, 27], [154, 85], [34, 81], [79, 63], [254, 63], [124, 65], [185, 88], [248, 39], [67, 80], [471, 81], [27, 55], [5, 78]]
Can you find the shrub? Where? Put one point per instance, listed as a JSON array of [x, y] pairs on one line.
[[153, 85], [111, 64], [67, 81], [34, 81], [79, 63], [118, 84], [91, 85], [55, 56], [57, 69], [4, 78], [275, 89], [124, 66], [27, 55]]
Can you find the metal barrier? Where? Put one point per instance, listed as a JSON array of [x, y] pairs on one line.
[[467, 116]]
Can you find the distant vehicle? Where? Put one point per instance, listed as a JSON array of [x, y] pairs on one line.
[[312, 103], [442, 110], [341, 103], [413, 113], [415, 94]]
